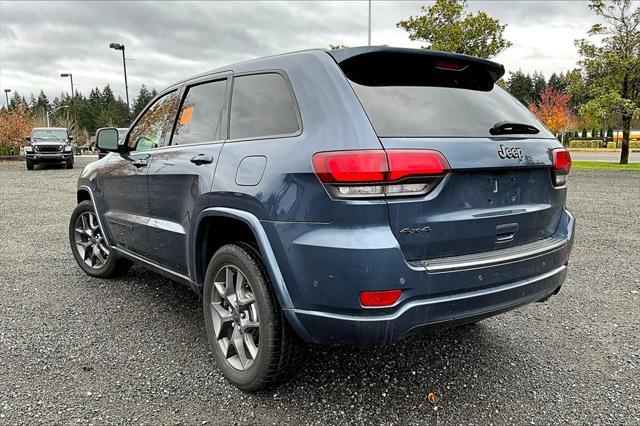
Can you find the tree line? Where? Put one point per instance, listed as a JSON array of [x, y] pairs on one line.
[[81, 115]]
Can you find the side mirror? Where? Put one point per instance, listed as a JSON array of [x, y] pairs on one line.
[[70, 138], [27, 138], [107, 139]]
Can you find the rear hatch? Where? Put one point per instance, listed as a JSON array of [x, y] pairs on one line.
[[498, 192]]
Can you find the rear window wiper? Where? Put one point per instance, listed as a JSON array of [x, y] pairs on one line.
[[511, 128]]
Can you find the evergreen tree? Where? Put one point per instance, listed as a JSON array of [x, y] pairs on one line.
[[520, 85], [16, 100], [95, 98], [557, 83], [143, 98], [107, 99], [41, 105], [539, 84]]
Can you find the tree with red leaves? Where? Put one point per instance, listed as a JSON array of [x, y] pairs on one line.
[[552, 109]]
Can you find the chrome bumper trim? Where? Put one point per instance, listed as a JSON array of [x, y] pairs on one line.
[[493, 257]]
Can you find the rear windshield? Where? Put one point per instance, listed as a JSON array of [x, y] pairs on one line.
[[418, 95], [421, 111]]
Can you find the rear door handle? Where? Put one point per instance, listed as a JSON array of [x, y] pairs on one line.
[[202, 159], [140, 162]]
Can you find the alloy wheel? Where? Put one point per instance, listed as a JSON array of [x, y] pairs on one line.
[[234, 314], [90, 241]]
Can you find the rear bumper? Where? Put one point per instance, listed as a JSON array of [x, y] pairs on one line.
[[325, 268], [436, 312]]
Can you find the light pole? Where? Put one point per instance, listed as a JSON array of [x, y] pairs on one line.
[[54, 110], [6, 94], [118, 46], [71, 78]]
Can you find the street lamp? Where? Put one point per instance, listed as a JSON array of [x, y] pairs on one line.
[[71, 77], [6, 93], [118, 46], [54, 110]]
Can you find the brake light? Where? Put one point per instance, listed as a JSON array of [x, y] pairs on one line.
[[448, 65], [350, 166], [561, 166], [379, 299], [408, 163], [379, 173]]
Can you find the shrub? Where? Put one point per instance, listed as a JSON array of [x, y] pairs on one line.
[[585, 143], [611, 145]]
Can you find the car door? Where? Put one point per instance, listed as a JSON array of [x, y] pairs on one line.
[[124, 179], [182, 172]]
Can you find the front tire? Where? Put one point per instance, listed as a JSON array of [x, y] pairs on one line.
[[252, 342], [30, 164], [88, 245], [69, 163]]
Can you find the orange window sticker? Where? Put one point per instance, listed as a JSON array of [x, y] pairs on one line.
[[185, 118]]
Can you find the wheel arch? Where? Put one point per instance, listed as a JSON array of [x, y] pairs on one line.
[[262, 245], [83, 194], [248, 230]]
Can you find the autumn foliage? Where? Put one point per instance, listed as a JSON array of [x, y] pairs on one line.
[[552, 109], [15, 124]]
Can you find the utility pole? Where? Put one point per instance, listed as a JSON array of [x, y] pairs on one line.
[[369, 39]]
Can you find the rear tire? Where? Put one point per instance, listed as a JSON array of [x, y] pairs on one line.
[[241, 311], [89, 248], [30, 164]]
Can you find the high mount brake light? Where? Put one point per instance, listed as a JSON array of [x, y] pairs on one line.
[[444, 64], [379, 173], [561, 166]]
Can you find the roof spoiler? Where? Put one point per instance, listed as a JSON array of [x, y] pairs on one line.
[[493, 69]]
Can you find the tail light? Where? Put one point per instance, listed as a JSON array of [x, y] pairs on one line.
[[379, 173], [561, 166]]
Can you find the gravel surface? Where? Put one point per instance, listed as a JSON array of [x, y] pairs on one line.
[[75, 349]]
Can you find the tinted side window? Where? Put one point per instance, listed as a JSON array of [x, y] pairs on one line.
[[201, 114], [262, 105], [155, 124]]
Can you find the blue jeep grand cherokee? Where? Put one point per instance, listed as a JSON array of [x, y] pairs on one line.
[[351, 196]]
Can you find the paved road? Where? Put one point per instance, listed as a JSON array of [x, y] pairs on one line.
[[79, 350], [614, 157]]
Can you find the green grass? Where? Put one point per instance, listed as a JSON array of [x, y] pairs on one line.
[[603, 165]]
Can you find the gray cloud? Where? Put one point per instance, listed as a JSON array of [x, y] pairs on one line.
[[170, 41]]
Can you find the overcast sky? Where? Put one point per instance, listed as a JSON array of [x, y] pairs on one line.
[[169, 41]]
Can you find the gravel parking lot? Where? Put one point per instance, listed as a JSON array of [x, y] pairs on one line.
[[74, 349]]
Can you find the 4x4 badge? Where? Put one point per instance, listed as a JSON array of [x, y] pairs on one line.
[[506, 152], [415, 230]]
